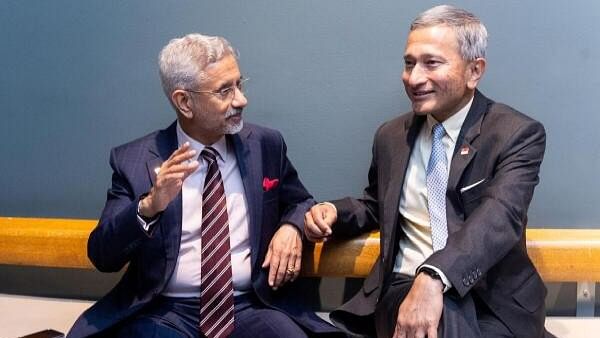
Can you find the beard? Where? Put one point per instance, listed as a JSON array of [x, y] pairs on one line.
[[233, 126]]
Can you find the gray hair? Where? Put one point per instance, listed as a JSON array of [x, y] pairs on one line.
[[183, 60], [470, 31]]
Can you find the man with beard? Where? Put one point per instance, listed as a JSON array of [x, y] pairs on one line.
[[207, 214]]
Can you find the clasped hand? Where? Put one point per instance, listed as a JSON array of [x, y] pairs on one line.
[[318, 221], [420, 312]]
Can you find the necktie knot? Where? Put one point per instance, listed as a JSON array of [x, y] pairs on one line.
[[209, 154], [438, 152], [438, 131]]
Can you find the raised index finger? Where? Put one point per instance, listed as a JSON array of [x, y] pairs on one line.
[[182, 149], [181, 155]]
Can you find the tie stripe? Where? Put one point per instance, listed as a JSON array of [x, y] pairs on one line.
[[212, 311], [209, 244], [214, 281], [213, 190], [216, 286], [214, 273], [225, 326], [211, 326], [221, 216]]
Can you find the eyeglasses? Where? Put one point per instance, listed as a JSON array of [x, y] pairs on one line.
[[225, 94]]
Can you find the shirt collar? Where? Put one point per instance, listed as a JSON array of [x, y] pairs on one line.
[[220, 146], [454, 123]]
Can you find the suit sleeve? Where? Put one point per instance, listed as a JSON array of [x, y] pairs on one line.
[[356, 216], [294, 198], [118, 233], [496, 220]]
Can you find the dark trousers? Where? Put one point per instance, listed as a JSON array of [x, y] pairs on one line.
[[179, 317], [465, 317]]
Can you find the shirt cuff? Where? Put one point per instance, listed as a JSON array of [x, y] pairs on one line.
[[145, 224], [330, 204], [445, 280]]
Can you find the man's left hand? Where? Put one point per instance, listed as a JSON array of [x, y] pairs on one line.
[[284, 256], [420, 312]]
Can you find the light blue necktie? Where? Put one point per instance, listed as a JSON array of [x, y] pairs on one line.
[[437, 183]]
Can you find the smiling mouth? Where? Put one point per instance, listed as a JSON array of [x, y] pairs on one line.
[[235, 117], [421, 94], [234, 114]]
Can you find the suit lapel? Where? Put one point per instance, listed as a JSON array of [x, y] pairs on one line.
[[464, 151], [249, 158], [404, 138], [166, 144]]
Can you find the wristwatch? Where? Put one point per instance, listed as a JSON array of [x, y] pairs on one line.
[[432, 273], [146, 219]]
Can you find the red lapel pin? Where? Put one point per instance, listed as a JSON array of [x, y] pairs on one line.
[[464, 150]]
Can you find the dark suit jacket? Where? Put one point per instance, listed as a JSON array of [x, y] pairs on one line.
[[119, 239], [485, 253]]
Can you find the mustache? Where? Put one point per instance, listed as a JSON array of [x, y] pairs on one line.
[[232, 112]]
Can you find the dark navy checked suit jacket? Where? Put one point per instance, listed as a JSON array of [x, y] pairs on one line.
[[119, 240]]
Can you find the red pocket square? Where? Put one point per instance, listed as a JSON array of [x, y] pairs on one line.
[[269, 184]]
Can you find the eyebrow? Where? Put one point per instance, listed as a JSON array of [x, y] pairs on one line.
[[228, 84], [425, 56]]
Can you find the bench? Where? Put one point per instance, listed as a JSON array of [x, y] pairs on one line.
[[560, 255]]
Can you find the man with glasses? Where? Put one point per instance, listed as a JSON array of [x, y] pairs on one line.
[[206, 214], [449, 187]]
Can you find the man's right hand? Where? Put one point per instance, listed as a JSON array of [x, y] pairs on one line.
[[420, 311], [318, 221], [169, 180]]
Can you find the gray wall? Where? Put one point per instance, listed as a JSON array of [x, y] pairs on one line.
[[80, 77]]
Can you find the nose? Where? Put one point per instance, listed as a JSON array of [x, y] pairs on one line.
[[239, 99], [414, 77]]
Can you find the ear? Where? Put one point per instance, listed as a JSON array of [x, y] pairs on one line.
[[182, 100], [475, 71]]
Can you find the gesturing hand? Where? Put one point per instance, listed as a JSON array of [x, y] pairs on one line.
[[318, 221], [169, 180], [284, 256], [420, 312]]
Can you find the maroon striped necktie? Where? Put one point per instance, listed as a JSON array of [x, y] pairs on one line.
[[216, 296]]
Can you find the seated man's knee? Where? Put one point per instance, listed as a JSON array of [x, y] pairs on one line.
[[265, 323]]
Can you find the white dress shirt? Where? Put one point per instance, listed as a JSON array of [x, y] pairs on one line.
[[416, 246], [185, 281]]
